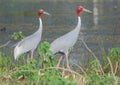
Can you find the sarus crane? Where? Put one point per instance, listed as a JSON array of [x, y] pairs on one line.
[[30, 43], [65, 42]]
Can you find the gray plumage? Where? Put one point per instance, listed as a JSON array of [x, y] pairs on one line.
[[66, 41], [30, 43]]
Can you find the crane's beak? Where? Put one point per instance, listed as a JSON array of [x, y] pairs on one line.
[[46, 13], [86, 10]]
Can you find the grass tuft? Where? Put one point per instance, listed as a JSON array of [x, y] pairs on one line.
[[43, 71]]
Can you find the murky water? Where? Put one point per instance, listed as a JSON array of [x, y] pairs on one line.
[[22, 16]]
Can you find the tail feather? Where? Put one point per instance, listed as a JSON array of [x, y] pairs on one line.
[[16, 53]]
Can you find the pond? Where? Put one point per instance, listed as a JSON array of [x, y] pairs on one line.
[[22, 16]]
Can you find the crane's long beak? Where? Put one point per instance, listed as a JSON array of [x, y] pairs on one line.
[[86, 10], [46, 13]]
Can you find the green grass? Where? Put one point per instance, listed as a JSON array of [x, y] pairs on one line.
[[43, 72]]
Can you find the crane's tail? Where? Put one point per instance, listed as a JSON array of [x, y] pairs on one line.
[[16, 53]]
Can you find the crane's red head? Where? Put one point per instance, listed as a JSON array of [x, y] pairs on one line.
[[40, 12], [79, 9]]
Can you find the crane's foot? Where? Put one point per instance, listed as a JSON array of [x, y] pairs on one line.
[[66, 73]]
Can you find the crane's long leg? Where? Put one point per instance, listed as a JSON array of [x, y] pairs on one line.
[[28, 56], [67, 61], [59, 61], [65, 73], [31, 55]]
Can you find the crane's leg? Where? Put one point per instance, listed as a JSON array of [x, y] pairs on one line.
[[31, 55], [67, 61], [28, 56], [59, 61], [66, 73]]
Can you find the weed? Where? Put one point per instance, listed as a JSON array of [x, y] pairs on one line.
[[94, 79], [26, 70], [43, 71], [115, 54], [17, 36], [45, 55], [51, 76], [4, 62]]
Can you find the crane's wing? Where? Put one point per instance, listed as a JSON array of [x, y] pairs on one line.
[[23, 41], [64, 42], [29, 43]]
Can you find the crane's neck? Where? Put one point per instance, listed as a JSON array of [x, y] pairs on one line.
[[78, 24], [40, 26]]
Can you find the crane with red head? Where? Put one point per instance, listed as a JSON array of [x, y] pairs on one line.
[[30, 43], [65, 42]]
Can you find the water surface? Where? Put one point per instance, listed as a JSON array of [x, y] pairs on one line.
[[22, 16]]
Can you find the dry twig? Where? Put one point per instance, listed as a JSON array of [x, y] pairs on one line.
[[5, 44], [80, 68], [92, 54]]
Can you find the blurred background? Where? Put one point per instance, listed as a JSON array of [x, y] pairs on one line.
[[100, 30]]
